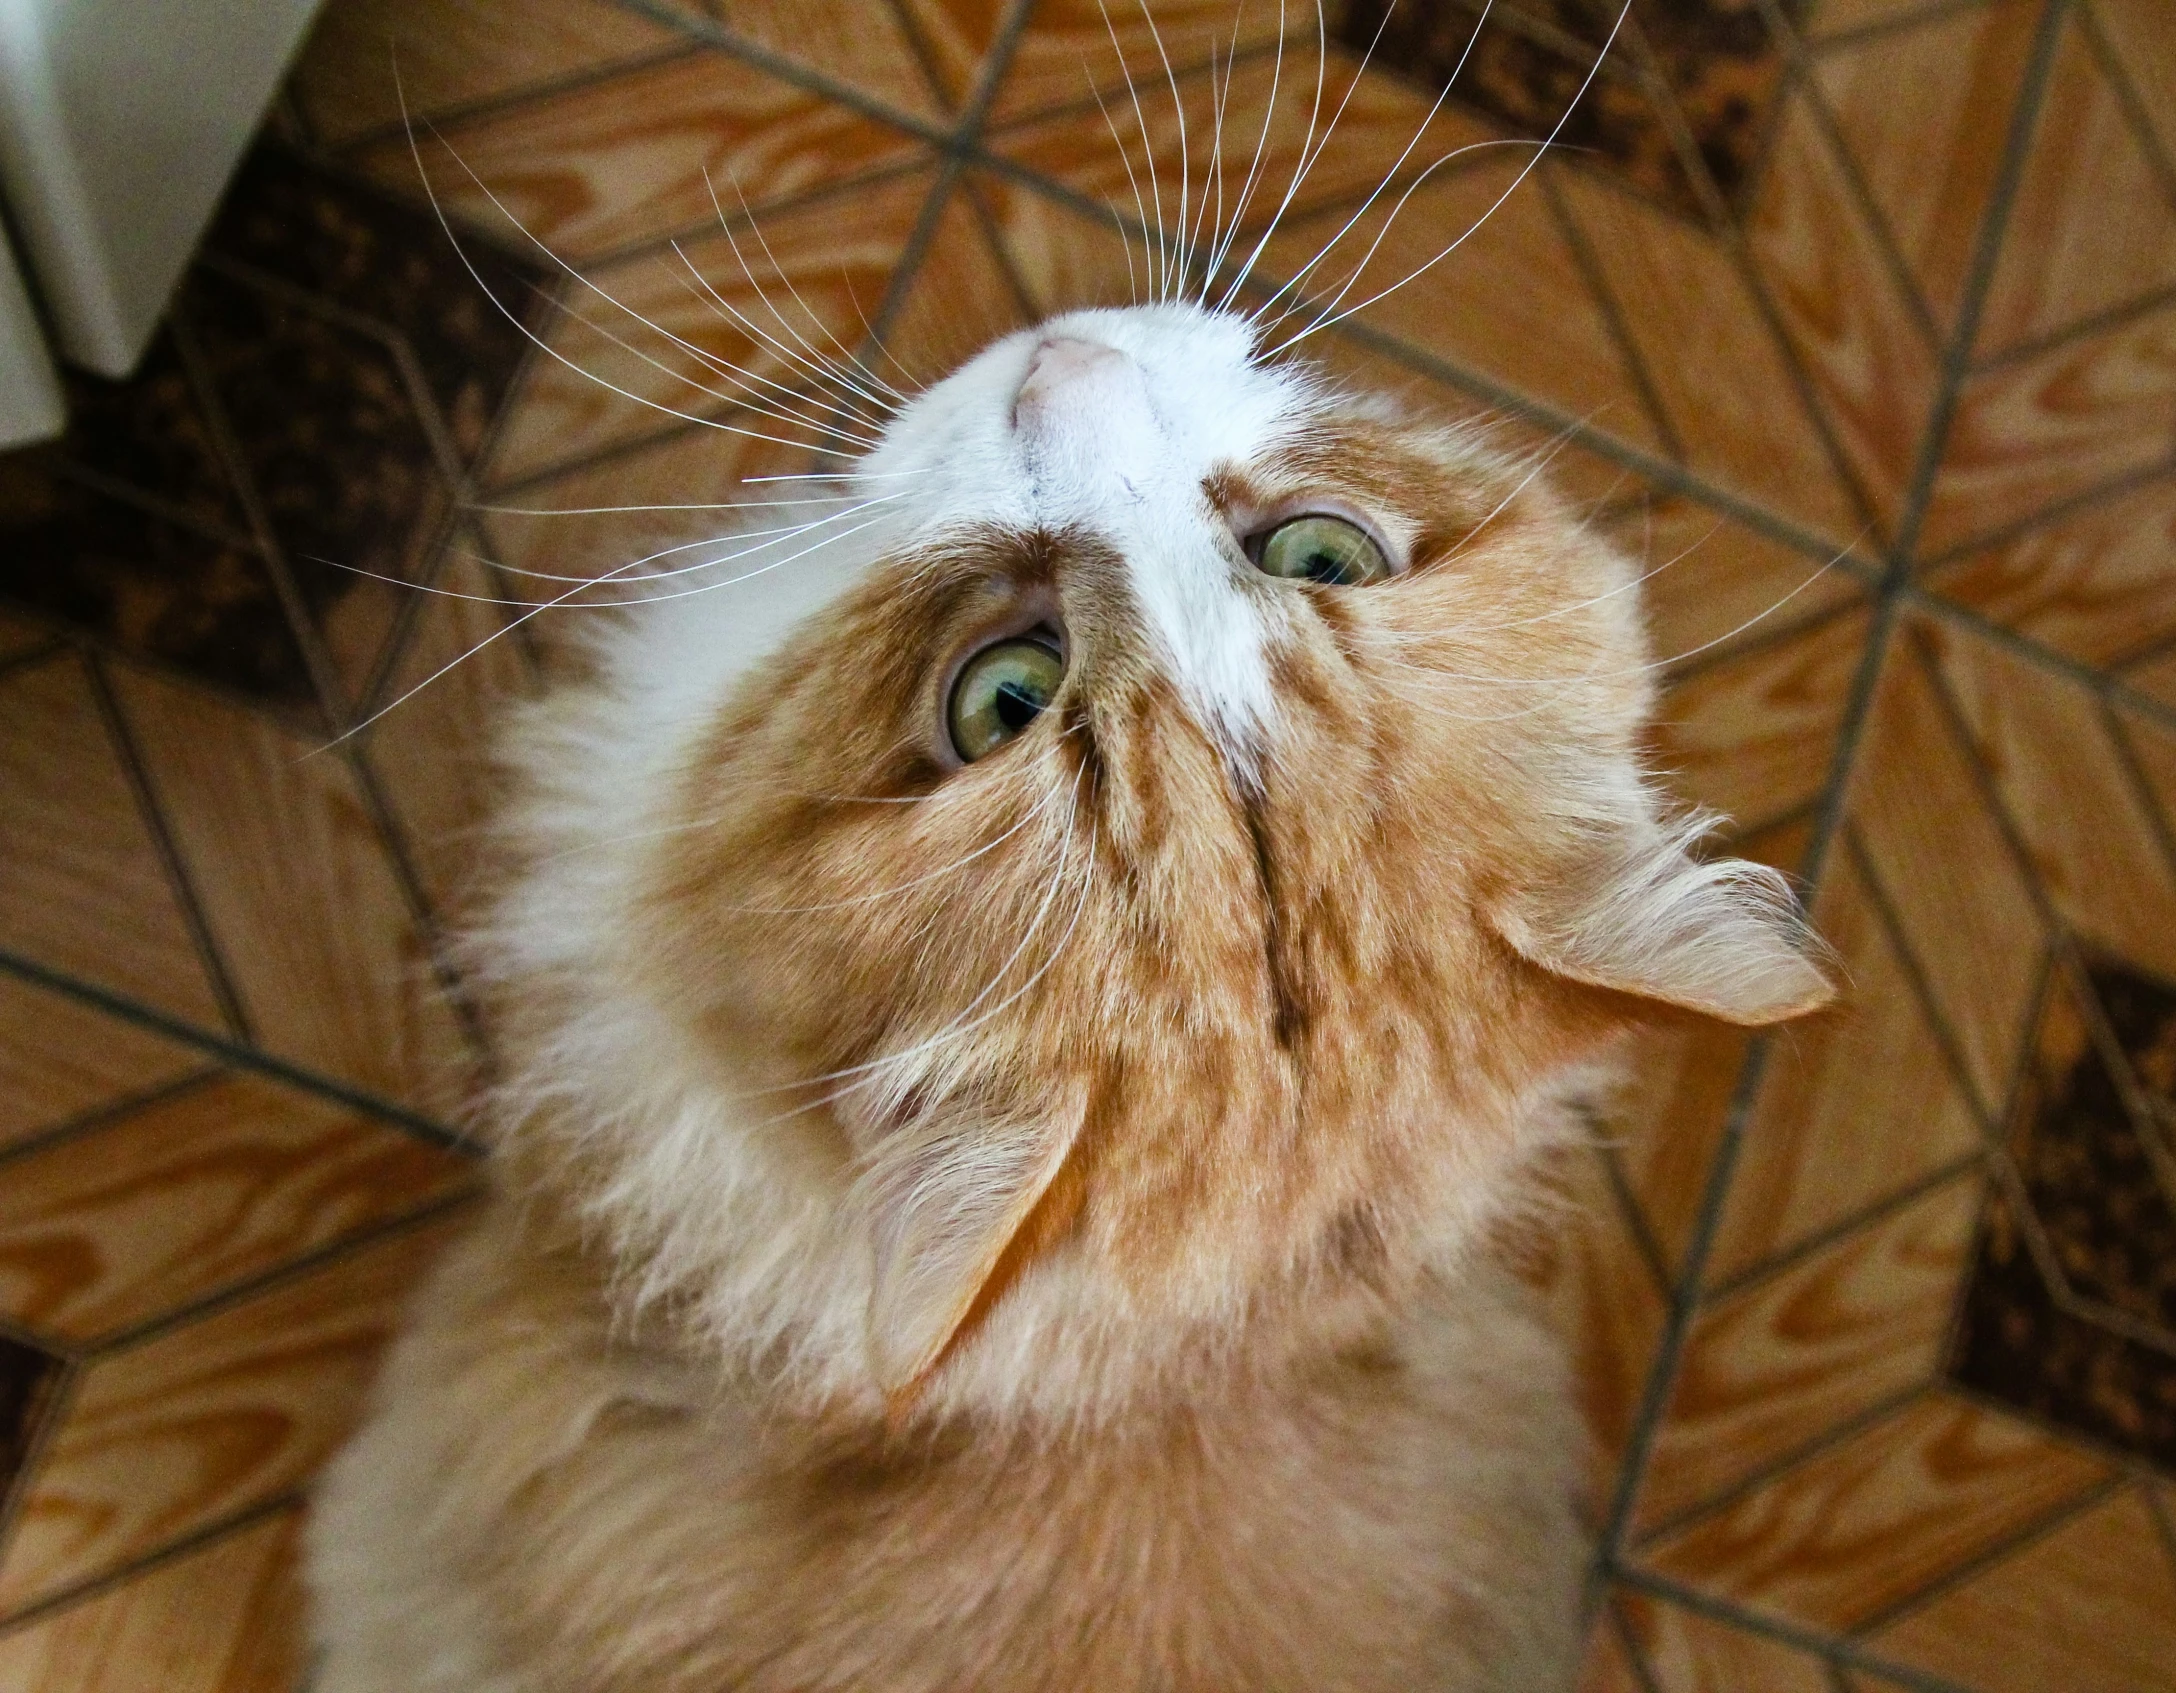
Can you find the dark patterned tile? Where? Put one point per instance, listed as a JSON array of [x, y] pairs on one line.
[[1524, 64], [2070, 1311], [162, 588], [27, 1378], [357, 248], [338, 348]]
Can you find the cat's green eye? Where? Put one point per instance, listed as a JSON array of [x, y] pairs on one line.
[[1320, 548], [1000, 691]]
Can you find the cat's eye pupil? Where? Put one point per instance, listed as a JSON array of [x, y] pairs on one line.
[[1321, 548], [1016, 707], [1000, 691]]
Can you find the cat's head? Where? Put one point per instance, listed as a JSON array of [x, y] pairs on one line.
[[1151, 860]]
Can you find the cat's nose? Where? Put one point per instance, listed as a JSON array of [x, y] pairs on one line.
[[1083, 403]]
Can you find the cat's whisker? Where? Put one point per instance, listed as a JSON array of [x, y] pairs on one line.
[[1125, 157], [1301, 164], [1632, 671], [621, 511], [1155, 226], [1178, 111], [1332, 316], [744, 401], [813, 367], [850, 374], [1390, 175], [514, 318], [699, 287], [1222, 250]]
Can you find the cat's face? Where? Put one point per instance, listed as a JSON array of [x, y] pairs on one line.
[[1170, 867]]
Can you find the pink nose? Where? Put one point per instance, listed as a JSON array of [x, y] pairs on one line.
[[1068, 377]]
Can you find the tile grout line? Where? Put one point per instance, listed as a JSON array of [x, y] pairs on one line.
[[1669, 1352], [1824, 1440], [121, 735], [1996, 1551], [110, 1114], [100, 1347], [1868, 1216], [1806, 80], [60, 1401], [1619, 329], [2121, 84], [2104, 492], [1839, 1649], [233, 1052], [106, 1581], [1725, 230]]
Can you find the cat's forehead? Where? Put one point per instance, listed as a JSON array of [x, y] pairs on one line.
[[1195, 401]]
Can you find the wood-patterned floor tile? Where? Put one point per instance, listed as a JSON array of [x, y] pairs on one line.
[[226, 1618], [82, 886], [959, 301], [956, 37], [60, 1059], [461, 670], [1667, 1118], [1715, 361], [2034, 431], [170, 1436], [2138, 35], [1926, 113], [1067, 53], [1691, 1653], [1824, 18], [1863, 1526], [194, 1193], [1769, 1369], [1586, 1265], [2091, 1608], [454, 53], [1711, 584], [1754, 735], [297, 887], [1384, 126], [2094, 222], [664, 336], [2097, 585], [1607, 1667], [20, 635], [1871, 366], [861, 43], [2064, 786], [1961, 901], [620, 161], [1857, 1103], [1510, 301], [1065, 258]]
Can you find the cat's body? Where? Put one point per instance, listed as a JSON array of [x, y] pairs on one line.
[[1017, 1033], [546, 1505]]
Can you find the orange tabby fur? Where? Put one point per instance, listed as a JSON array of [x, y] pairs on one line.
[[1131, 1328]]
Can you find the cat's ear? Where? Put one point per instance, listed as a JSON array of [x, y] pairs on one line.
[[1636, 913], [947, 1195]]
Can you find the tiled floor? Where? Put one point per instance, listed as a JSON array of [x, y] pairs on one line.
[[1859, 315]]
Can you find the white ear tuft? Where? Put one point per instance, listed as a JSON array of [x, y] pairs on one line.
[[1643, 917], [944, 1195]]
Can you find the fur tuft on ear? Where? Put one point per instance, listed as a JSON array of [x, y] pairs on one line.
[[1642, 916], [944, 1195]]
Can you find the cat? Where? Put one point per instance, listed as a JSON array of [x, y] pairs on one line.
[[1022, 1012]]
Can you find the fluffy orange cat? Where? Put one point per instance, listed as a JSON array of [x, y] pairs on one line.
[[1021, 1008]]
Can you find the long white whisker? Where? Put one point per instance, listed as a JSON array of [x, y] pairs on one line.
[[1223, 247], [1298, 278], [1148, 149], [815, 368], [514, 318], [1178, 110], [1125, 157], [851, 375], [1326, 319], [1300, 164]]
